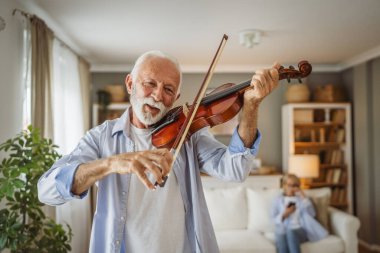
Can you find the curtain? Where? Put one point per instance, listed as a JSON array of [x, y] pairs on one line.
[[41, 43], [85, 86], [71, 120], [58, 82], [41, 38]]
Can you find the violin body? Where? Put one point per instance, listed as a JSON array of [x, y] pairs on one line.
[[207, 115]]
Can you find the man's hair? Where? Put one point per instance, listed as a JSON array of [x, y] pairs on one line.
[[156, 54]]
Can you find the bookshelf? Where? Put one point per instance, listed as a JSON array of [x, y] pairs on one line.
[[323, 129]]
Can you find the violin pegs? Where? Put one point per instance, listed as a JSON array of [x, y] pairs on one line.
[[291, 67]]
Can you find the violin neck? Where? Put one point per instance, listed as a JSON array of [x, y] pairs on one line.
[[224, 93]]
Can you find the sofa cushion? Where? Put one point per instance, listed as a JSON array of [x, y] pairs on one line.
[[321, 200], [259, 205], [227, 207], [243, 241], [331, 244]]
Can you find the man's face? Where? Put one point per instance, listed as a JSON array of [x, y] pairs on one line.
[[153, 90]]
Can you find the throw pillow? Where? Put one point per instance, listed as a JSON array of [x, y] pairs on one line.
[[259, 205], [227, 207], [321, 200]]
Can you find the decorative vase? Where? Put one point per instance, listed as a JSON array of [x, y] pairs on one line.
[[297, 93]]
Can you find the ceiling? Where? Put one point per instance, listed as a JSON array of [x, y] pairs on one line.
[[112, 34]]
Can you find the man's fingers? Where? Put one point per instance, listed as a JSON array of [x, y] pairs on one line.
[[152, 167], [144, 179], [276, 65]]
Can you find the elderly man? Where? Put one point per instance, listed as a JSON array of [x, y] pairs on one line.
[[132, 214]]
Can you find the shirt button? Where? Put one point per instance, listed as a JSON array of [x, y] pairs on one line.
[[122, 193], [122, 218], [117, 242]]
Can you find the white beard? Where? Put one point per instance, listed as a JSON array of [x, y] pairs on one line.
[[138, 108]]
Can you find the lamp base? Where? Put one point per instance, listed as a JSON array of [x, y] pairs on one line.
[[305, 183]]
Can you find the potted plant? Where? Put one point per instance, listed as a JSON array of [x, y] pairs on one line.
[[23, 225]]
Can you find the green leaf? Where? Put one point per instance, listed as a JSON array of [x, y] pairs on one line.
[[18, 183], [3, 241]]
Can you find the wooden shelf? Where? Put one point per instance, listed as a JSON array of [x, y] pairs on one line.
[[318, 124], [320, 145], [339, 205], [325, 184], [332, 166]]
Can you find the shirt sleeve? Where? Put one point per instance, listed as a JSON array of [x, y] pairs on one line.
[[54, 186], [237, 146], [232, 163]]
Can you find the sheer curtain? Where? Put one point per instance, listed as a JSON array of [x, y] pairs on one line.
[[69, 127]]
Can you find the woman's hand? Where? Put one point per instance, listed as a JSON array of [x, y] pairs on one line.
[[301, 193], [288, 211]]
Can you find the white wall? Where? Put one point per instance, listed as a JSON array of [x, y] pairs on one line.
[[10, 72]]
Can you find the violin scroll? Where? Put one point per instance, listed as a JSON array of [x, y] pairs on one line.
[[304, 69]]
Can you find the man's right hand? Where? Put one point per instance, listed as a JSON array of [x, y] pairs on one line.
[[158, 162]]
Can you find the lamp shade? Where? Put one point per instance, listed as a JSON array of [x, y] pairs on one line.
[[304, 166]]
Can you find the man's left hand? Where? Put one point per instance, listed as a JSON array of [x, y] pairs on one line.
[[263, 83]]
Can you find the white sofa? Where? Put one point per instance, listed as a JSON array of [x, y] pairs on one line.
[[240, 216]]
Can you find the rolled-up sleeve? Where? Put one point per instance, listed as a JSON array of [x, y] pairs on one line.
[[232, 163], [54, 186], [237, 146]]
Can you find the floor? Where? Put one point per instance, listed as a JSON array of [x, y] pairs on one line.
[[364, 250]]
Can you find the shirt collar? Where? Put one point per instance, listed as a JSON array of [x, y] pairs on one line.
[[123, 123]]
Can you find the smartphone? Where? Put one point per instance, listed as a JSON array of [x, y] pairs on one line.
[[291, 204]]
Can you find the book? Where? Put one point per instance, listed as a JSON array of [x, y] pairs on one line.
[[322, 135], [338, 116], [330, 176], [336, 175], [340, 134], [343, 177]]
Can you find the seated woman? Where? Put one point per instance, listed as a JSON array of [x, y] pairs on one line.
[[293, 215]]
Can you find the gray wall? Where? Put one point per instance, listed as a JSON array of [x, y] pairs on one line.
[[366, 96], [10, 75], [270, 110]]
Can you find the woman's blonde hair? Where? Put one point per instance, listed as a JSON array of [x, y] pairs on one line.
[[285, 178]]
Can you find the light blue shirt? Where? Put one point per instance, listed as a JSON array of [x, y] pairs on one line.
[[202, 153]]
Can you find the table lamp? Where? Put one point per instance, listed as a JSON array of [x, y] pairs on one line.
[[304, 166]]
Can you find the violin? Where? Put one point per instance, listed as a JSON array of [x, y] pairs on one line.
[[218, 107]]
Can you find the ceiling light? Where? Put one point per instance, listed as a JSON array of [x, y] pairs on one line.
[[249, 38]]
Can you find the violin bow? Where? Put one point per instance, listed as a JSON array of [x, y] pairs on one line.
[[178, 143]]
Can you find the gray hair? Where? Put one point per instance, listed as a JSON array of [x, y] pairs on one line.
[[156, 54]]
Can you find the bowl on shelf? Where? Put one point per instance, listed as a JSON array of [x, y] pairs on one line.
[[297, 93]]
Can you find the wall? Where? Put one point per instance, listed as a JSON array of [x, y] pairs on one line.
[[10, 72], [270, 110], [366, 96], [10, 75]]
